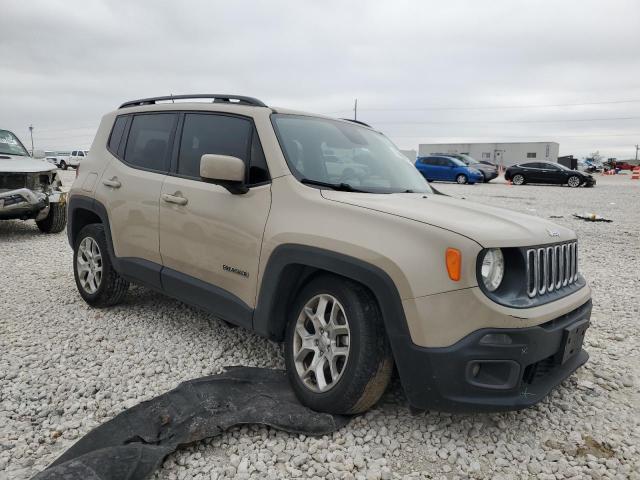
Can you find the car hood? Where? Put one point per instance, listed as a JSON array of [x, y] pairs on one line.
[[488, 226], [18, 164], [483, 167]]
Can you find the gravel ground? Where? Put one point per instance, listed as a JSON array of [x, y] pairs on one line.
[[65, 368]]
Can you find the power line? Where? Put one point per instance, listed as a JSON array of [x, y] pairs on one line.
[[485, 107], [552, 135], [435, 122]]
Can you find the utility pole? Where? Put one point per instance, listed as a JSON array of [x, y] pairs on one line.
[[31, 132], [637, 148], [355, 110]]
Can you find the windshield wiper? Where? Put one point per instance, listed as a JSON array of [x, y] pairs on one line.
[[342, 187]]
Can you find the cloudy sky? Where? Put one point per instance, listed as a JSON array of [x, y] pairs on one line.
[[422, 71]]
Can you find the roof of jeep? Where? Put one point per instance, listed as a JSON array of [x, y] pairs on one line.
[[204, 105]]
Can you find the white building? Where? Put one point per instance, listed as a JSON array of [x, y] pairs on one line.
[[410, 154], [503, 154]]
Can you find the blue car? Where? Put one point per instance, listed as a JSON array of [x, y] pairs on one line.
[[447, 169]]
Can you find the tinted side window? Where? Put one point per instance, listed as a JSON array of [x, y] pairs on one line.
[[149, 141], [74, 153], [116, 134], [206, 133], [530, 165]]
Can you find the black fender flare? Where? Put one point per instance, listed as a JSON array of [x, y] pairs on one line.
[[270, 316]]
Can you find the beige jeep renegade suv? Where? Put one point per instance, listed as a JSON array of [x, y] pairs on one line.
[[319, 233]]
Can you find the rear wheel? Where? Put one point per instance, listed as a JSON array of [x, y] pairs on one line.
[[337, 353], [462, 179], [98, 283], [63, 165], [518, 179], [55, 221], [574, 181]]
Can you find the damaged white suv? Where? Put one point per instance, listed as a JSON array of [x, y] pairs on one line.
[[30, 188]]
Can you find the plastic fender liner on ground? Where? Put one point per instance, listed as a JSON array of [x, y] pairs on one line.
[[134, 443]]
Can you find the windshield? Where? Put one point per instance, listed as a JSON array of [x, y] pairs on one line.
[[10, 145], [559, 165], [345, 156], [468, 159]]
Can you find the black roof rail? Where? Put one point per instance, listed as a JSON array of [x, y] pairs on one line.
[[356, 121], [217, 98]]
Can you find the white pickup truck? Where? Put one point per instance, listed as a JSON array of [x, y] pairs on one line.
[[64, 160]]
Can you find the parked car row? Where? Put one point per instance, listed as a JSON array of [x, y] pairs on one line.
[[463, 169]]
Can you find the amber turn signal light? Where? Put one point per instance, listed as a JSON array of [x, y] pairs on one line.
[[453, 258]]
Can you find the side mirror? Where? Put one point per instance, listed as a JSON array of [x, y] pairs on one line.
[[39, 154], [225, 170]]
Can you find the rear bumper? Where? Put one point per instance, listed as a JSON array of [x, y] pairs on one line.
[[478, 375]]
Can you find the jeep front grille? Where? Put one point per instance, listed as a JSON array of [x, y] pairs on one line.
[[551, 268]]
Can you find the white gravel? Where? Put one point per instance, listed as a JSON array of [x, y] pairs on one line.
[[65, 368]]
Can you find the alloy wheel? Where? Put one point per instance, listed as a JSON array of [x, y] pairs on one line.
[[321, 343], [573, 181], [518, 180], [89, 265]]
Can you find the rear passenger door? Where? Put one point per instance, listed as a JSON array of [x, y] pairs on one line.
[[210, 239], [140, 146], [426, 167]]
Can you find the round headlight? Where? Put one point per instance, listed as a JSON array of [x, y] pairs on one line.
[[492, 269]]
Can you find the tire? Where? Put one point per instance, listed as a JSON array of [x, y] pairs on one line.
[[518, 179], [462, 179], [63, 165], [574, 181], [55, 221], [365, 371], [110, 286]]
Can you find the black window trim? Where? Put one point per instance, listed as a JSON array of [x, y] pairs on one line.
[[125, 133], [173, 164]]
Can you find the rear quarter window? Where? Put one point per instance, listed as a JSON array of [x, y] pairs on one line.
[[116, 135]]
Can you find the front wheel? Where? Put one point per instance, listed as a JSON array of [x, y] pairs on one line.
[[337, 353], [462, 179], [518, 179], [55, 221], [573, 181]]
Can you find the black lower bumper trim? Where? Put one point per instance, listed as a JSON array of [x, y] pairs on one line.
[[495, 369]]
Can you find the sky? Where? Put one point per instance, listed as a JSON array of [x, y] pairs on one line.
[[422, 71]]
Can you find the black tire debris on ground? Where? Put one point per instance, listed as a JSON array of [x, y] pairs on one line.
[[134, 443]]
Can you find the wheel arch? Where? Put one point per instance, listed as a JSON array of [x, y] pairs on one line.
[[82, 211], [291, 266]]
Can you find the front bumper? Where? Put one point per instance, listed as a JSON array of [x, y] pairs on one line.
[[25, 203], [589, 182], [490, 175], [473, 375]]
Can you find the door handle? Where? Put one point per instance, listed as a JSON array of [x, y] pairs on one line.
[[177, 199], [113, 182]]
